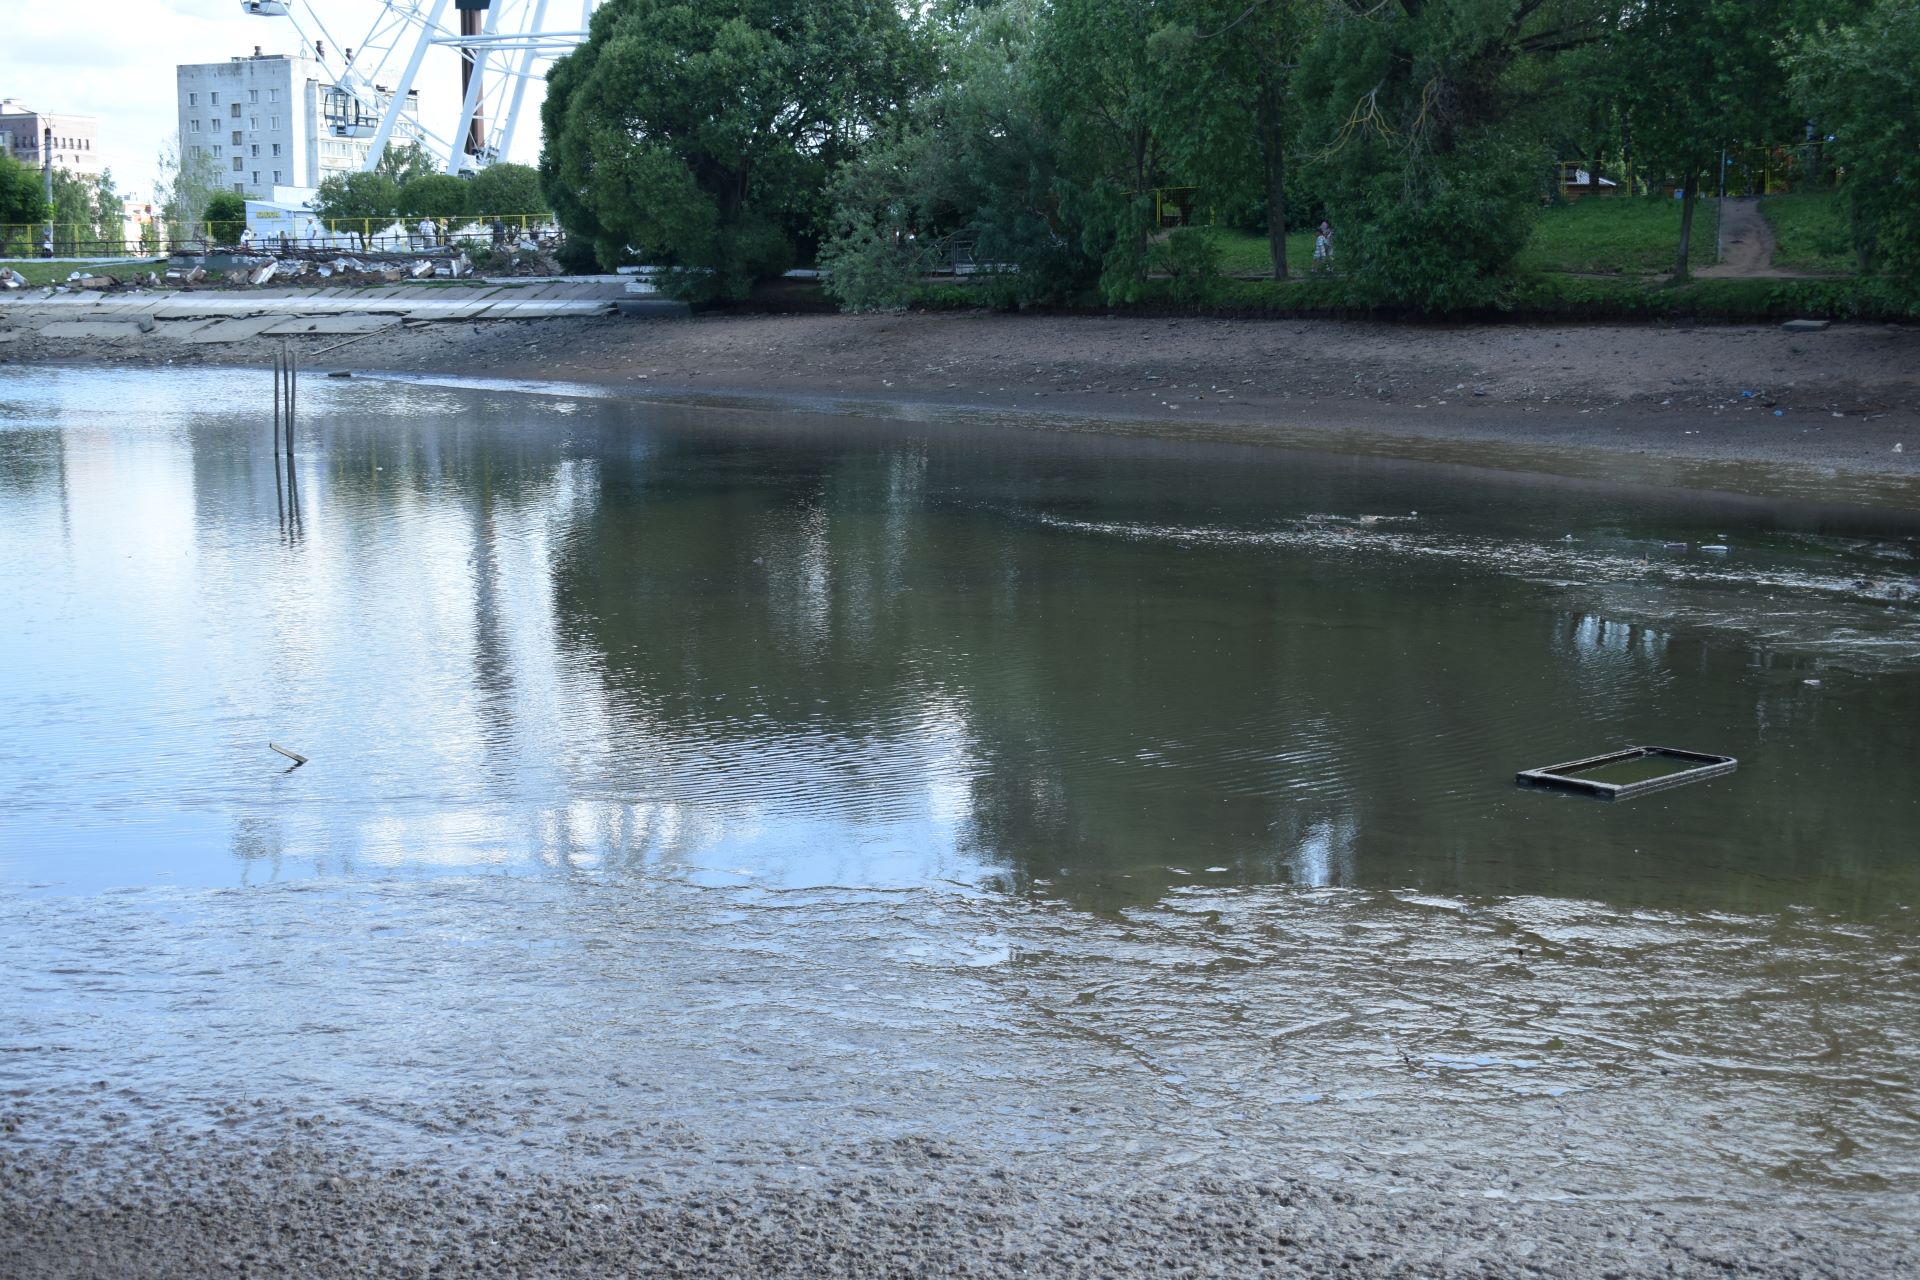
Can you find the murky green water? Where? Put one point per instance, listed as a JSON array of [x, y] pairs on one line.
[[829, 775]]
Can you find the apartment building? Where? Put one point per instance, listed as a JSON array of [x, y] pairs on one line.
[[270, 120], [75, 138]]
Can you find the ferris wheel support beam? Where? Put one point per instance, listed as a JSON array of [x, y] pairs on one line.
[[472, 103], [520, 85], [399, 104]]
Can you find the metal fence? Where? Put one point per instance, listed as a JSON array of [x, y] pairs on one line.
[[345, 235]]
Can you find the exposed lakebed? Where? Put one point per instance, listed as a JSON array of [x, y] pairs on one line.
[[694, 792]]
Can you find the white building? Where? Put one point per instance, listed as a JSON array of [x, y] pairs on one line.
[[75, 138], [272, 120]]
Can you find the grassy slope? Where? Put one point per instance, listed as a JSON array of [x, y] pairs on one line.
[[1810, 231], [1617, 234]]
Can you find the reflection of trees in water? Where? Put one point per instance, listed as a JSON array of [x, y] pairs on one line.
[[843, 626]]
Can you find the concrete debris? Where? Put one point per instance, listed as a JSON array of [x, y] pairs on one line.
[[260, 275], [421, 270], [11, 279]]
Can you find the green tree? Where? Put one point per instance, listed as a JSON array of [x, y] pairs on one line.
[[361, 203], [971, 171], [187, 179], [87, 213], [437, 195], [1861, 83], [1428, 136], [22, 206], [1697, 76], [703, 135], [1226, 98], [406, 161], [506, 189], [226, 217]]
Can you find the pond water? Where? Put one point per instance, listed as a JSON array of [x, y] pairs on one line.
[[999, 763]]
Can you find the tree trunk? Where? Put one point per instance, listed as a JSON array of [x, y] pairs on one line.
[[1681, 272], [1141, 234], [1274, 158]]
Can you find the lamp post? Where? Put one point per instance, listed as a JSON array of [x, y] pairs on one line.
[[46, 181]]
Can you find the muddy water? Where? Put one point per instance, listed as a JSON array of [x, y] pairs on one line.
[[766, 780]]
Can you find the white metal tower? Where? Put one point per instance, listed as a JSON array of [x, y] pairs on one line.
[[501, 44]]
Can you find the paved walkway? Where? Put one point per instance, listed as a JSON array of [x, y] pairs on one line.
[[235, 315]]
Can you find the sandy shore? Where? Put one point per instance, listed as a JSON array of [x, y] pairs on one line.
[[1843, 400]]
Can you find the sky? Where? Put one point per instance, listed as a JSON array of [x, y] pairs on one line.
[[117, 66]]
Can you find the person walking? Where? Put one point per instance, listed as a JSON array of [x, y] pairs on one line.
[[1323, 248]]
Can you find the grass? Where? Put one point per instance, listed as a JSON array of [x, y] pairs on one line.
[[1243, 253], [37, 272], [1623, 234], [1620, 235], [1810, 232]]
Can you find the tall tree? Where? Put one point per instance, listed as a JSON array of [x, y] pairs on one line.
[[187, 180], [1226, 99], [702, 134], [1697, 76], [1429, 135], [1861, 83]]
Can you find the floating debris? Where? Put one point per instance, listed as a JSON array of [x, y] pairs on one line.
[[1634, 771]]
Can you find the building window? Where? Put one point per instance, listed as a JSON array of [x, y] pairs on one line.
[[253, 95], [253, 122], [276, 177], [274, 121], [276, 148], [255, 149], [256, 177], [195, 125], [241, 187], [193, 99], [214, 97], [217, 152], [236, 138], [273, 95], [199, 151], [234, 111], [236, 164]]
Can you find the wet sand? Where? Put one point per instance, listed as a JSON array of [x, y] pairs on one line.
[[929, 1210]]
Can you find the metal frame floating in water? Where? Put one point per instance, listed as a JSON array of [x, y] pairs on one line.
[[1663, 767]]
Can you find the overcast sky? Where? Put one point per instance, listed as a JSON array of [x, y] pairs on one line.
[[114, 60]]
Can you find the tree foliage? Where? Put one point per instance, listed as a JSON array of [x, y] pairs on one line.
[[1861, 82], [433, 195], [406, 161], [187, 180], [704, 134], [226, 217], [722, 141], [359, 202], [506, 188], [21, 198]]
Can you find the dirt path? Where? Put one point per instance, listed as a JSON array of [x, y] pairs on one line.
[[1746, 243]]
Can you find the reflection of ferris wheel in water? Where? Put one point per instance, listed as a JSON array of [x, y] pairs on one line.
[[502, 45]]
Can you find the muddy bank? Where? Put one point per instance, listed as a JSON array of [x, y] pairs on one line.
[[1840, 399], [909, 1209]]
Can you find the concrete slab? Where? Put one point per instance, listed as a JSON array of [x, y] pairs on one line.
[[90, 329], [235, 330], [331, 324]]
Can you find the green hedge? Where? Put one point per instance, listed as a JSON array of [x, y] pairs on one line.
[[1543, 297]]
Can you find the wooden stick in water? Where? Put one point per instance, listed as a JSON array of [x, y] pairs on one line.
[[294, 756]]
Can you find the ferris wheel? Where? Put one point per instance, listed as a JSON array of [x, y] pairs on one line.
[[502, 46]]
